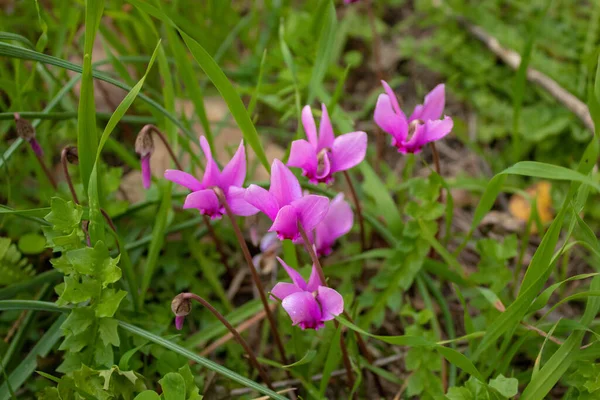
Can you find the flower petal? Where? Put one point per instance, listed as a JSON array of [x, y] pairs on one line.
[[304, 310], [211, 173], [324, 169], [205, 201], [326, 135], [284, 184], [387, 119], [283, 290], [314, 281], [348, 151], [234, 172], [432, 130], [236, 200], [337, 222], [146, 172], [311, 209], [393, 99], [286, 223], [433, 107], [183, 179], [263, 200], [297, 279], [303, 155], [332, 303], [309, 126]]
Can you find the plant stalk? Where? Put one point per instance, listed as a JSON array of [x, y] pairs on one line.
[[361, 223]]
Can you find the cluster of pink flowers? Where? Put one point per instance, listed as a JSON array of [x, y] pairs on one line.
[[319, 157]]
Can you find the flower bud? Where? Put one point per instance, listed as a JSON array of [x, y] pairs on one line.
[[26, 131], [71, 154], [181, 307], [144, 146]]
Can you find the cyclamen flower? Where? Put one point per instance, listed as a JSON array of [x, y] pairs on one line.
[[230, 181], [423, 126], [324, 154], [337, 223], [310, 304], [144, 147], [285, 205], [26, 131]]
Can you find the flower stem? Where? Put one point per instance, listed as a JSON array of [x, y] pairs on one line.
[[235, 334], [254, 273], [436, 158], [46, 170], [218, 244], [153, 129], [361, 224], [317, 264], [64, 161]]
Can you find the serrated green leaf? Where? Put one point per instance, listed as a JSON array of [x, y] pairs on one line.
[[79, 320], [507, 387], [173, 386], [147, 395], [107, 329], [96, 262], [64, 215], [109, 302]]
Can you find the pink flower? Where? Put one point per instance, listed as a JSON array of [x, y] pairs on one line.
[[423, 126], [337, 223], [350, 1], [324, 154], [230, 181], [310, 304], [285, 205]]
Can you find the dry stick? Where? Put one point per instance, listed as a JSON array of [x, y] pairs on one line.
[[254, 272], [149, 128], [235, 334], [317, 264], [64, 160], [363, 238], [513, 60]]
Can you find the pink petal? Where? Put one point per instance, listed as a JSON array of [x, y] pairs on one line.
[[388, 120], [309, 125], [183, 178], [263, 200], [286, 223], [326, 135], [332, 303], [146, 172], [234, 172], [393, 99], [311, 209], [205, 201], [324, 169], [297, 279], [348, 151], [314, 281], [337, 222], [284, 185], [179, 322], [238, 204], [283, 290], [431, 131], [304, 310], [433, 107], [303, 155], [211, 173]]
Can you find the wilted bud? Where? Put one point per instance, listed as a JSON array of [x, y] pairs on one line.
[[71, 154], [144, 146], [26, 131], [181, 307]]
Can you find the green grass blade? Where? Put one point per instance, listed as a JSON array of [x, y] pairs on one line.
[[334, 355], [386, 206], [29, 363], [325, 42]]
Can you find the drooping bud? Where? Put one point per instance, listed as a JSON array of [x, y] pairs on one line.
[[26, 131], [71, 154], [181, 307], [144, 146]]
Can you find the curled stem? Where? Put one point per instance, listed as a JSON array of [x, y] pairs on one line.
[[254, 273], [361, 223], [234, 332], [64, 160], [148, 129]]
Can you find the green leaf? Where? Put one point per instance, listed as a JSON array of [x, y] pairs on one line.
[[334, 355], [96, 262], [308, 357], [147, 395], [107, 329], [549, 171], [507, 387], [191, 390], [64, 215], [109, 302], [386, 206], [78, 321], [77, 291], [173, 386], [32, 243], [219, 79], [325, 44]]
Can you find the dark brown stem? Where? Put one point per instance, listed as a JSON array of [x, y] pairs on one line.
[[46, 170], [438, 169], [64, 161], [110, 223], [317, 264], [254, 273], [361, 224], [218, 244], [235, 334], [436, 158], [153, 129]]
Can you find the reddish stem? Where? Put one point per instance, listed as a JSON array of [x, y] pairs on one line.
[[361, 224]]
